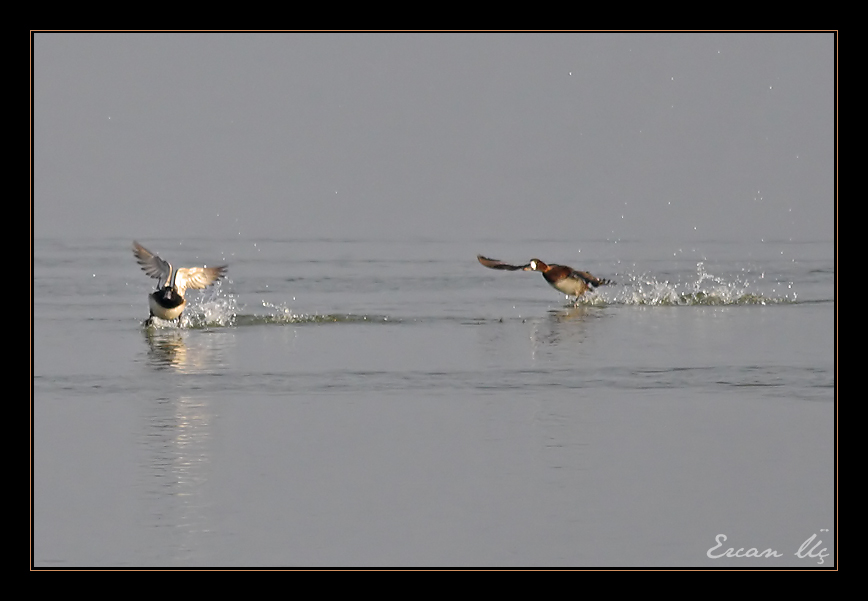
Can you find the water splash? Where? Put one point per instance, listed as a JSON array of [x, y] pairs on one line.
[[219, 308], [222, 310], [705, 289], [283, 314], [212, 310]]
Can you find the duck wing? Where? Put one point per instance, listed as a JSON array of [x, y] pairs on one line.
[[151, 264], [589, 279], [198, 277], [495, 264]]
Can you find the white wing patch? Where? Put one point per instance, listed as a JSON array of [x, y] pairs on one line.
[[197, 277]]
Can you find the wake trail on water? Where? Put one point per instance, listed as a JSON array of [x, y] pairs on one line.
[[219, 308], [223, 310]]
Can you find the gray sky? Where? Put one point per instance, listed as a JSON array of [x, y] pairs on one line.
[[470, 136]]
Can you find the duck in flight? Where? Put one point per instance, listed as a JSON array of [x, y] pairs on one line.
[[562, 278], [168, 301]]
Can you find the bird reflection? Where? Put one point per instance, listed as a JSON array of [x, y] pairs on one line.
[[166, 348], [185, 351], [571, 313], [562, 326]]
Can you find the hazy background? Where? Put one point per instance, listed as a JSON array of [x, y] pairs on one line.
[[370, 135]]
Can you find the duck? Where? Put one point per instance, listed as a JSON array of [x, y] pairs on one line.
[[571, 282], [168, 301]]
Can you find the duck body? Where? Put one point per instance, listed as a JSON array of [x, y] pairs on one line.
[[166, 304], [571, 282], [562, 278], [168, 301]]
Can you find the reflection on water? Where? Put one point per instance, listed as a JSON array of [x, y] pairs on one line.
[[177, 438], [177, 463], [563, 325], [552, 433], [166, 349], [185, 351]]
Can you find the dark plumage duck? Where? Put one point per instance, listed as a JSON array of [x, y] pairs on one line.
[[565, 279], [168, 301]]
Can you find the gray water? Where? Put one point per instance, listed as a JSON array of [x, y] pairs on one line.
[[360, 391], [359, 402]]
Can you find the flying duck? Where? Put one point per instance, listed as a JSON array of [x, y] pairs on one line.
[[565, 279], [168, 301]]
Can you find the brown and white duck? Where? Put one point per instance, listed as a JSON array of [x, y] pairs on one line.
[[571, 282]]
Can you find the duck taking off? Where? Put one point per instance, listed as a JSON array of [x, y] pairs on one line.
[[562, 278], [168, 301]]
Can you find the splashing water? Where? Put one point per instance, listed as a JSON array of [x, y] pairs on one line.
[[216, 310], [221, 309], [203, 311], [706, 289]]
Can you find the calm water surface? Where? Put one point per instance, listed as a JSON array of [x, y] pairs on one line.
[[393, 403]]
